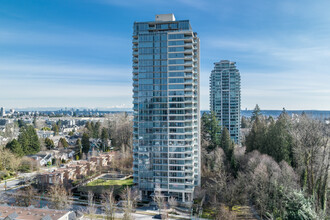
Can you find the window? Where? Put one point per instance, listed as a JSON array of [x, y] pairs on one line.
[[184, 25], [176, 80], [171, 43], [174, 26], [179, 61], [176, 49], [176, 55], [176, 93], [176, 36], [176, 86], [176, 67], [164, 26], [176, 74], [146, 37]]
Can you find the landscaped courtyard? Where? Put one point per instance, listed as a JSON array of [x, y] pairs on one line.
[[105, 182]]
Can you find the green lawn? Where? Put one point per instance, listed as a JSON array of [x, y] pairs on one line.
[[101, 182]]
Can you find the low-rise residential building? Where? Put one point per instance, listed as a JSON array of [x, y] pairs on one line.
[[75, 170], [50, 178], [45, 134], [42, 158], [70, 174], [100, 160], [31, 213]]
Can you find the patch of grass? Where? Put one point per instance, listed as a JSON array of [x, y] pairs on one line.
[[7, 175], [102, 182], [238, 210], [208, 213]]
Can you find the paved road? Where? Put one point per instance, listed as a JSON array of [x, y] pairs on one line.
[[134, 215], [13, 183]]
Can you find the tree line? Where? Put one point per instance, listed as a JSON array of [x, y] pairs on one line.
[[117, 130], [282, 170]]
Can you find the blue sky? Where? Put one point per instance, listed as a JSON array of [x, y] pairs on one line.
[[77, 53]]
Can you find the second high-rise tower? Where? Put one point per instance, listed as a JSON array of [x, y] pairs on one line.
[[225, 97]]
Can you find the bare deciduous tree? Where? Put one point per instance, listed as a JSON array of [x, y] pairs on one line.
[[25, 197], [60, 197], [109, 204], [91, 209], [159, 199], [312, 157], [224, 214], [121, 129], [8, 161], [173, 203], [130, 198]]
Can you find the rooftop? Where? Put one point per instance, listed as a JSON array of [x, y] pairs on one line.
[[31, 213], [165, 17]]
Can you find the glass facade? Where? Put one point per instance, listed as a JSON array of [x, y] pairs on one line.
[[166, 149], [225, 97]]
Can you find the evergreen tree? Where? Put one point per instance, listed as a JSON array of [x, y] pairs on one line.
[[20, 123], [85, 143], [105, 138], [63, 143], [49, 143], [256, 138], [256, 113], [225, 140], [270, 120], [90, 126], [274, 139], [59, 123], [15, 147], [55, 129], [35, 121], [211, 130], [29, 140], [244, 122], [96, 129], [79, 148], [279, 140]]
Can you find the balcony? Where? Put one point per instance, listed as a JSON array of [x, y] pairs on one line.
[[188, 57], [188, 45], [188, 75]]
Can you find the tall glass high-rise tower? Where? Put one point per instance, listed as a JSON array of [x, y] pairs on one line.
[[166, 137], [225, 97]]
